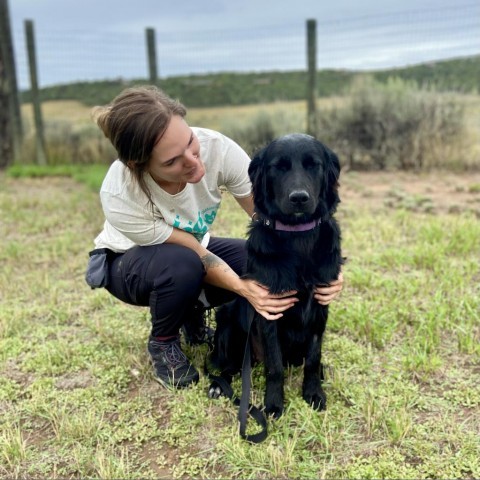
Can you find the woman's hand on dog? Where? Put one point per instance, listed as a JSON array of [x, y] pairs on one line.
[[267, 304], [325, 294], [271, 306]]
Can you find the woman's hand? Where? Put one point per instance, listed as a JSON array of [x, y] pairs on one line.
[[267, 304], [326, 293]]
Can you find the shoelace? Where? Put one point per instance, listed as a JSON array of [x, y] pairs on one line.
[[174, 354]]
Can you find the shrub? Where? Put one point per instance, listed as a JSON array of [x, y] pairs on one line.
[[254, 135], [67, 143], [263, 128], [396, 125]]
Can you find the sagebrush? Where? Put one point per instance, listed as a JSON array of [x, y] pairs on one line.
[[398, 125]]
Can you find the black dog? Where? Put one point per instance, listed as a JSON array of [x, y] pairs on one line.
[[293, 244]]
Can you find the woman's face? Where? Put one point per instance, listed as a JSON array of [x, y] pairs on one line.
[[176, 156]]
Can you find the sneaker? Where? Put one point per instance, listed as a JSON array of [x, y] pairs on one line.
[[195, 329], [171, 366]]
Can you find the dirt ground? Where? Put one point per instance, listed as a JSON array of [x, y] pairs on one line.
[[435, 192]]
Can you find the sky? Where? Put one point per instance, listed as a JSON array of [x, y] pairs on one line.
[[100, 39]]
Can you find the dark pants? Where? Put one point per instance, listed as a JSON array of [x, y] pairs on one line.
[[169, 278]]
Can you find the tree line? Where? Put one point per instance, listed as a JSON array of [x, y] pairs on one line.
[[229, 88]]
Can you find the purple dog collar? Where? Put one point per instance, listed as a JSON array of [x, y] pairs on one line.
[[301, 227], [277, 225]]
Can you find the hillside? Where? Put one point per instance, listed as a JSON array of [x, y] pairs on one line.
[[229, 88]]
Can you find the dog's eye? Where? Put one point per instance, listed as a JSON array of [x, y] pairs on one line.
[[310, 163], [282, 165]]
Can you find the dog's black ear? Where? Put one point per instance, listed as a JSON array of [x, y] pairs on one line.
[[332, 174], [258, 177]]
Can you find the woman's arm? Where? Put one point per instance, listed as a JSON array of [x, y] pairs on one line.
[[247, 204], [219, 274]]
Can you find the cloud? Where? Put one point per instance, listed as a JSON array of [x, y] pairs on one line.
[[96, 39]]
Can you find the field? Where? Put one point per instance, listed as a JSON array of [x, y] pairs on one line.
[[402, 349], [72, 137], [74, 112], [216, 117]]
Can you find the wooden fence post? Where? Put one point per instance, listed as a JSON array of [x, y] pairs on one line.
[[312, 77], [6, 137], [9, 82], [40, 149], [151, 55]]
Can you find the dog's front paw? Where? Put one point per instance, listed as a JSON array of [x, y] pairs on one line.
[[315, 397], [215, 390], [274, 403], [275, 411]]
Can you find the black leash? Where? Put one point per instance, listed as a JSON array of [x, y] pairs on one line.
[[245, 407]]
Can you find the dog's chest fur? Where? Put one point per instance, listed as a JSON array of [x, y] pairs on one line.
[[283, 261]]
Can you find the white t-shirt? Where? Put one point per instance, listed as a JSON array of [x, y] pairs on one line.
[[131, 220]]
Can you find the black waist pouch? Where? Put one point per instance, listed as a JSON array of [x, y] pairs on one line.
[[97, 269]]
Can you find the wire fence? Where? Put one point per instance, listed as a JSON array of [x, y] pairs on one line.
[[369, 42]]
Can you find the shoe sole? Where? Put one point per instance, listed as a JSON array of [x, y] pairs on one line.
[[180, 384]]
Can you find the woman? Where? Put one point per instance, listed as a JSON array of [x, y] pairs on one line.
[[159, 199]]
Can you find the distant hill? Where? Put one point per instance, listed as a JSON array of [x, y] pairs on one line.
[[229, 88], [460, 74]]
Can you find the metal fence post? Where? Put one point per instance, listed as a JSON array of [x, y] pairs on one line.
[[312, 77]]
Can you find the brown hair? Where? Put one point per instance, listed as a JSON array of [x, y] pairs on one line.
[[134, 121]]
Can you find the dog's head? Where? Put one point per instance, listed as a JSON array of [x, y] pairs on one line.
[[295, 179]]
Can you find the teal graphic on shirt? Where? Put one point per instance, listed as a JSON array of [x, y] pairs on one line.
[[200, 228]]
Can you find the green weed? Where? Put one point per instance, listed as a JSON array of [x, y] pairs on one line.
[[13, 446]]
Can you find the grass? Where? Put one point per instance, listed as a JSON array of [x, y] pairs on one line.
[[402, 355], [90, 175]]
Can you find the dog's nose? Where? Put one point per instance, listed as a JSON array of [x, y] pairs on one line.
[[299, 197]]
